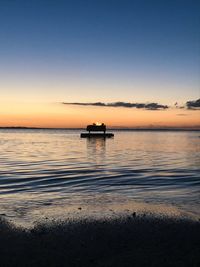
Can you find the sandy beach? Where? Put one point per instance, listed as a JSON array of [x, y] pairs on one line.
[[125, 241]]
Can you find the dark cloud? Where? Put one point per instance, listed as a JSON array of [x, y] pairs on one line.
[[155, 106], [149, 106], [98, 104], [195, 104]]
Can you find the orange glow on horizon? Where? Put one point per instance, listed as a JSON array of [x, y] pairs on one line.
[[61, 116]]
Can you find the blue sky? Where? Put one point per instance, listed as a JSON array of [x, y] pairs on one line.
[[100, 50]]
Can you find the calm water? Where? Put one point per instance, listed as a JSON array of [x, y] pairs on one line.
[[55, 173]]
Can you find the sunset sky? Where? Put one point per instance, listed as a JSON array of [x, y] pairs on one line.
[[59, 58]]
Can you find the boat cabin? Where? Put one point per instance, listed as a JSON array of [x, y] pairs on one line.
[[96, 127]]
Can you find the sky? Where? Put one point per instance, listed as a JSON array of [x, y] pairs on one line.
[[59, 58]]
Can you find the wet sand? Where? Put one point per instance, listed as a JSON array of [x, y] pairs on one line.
[[132, 240]]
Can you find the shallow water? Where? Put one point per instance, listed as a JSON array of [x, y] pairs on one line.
[[56, 173]]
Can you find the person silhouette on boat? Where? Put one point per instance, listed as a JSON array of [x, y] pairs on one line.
[[96, 127]]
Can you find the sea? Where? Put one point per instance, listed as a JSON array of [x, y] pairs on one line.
[[53, 174]]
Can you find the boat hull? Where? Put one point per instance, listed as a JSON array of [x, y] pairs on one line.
[[91, 135]]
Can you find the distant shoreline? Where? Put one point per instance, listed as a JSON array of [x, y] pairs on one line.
[[109, 129]]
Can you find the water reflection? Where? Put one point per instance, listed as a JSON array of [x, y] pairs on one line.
[[96, 149], [53, 168]]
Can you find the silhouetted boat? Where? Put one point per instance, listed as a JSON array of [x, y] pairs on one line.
[[97, 128]]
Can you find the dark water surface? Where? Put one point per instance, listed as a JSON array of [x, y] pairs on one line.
[[55, 172]]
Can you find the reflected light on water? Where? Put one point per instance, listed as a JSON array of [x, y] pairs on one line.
[[44, 171]]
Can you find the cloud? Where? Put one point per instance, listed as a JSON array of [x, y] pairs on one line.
[[182, 114], [195, 104], [178, 107], [149, 106], [155, 106]]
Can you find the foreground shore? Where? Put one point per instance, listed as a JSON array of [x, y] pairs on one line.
[[125, 241]]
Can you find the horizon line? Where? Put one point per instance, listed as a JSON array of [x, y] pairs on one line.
[[185, 128]]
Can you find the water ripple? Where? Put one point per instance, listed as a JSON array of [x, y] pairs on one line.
[[162, 166]]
